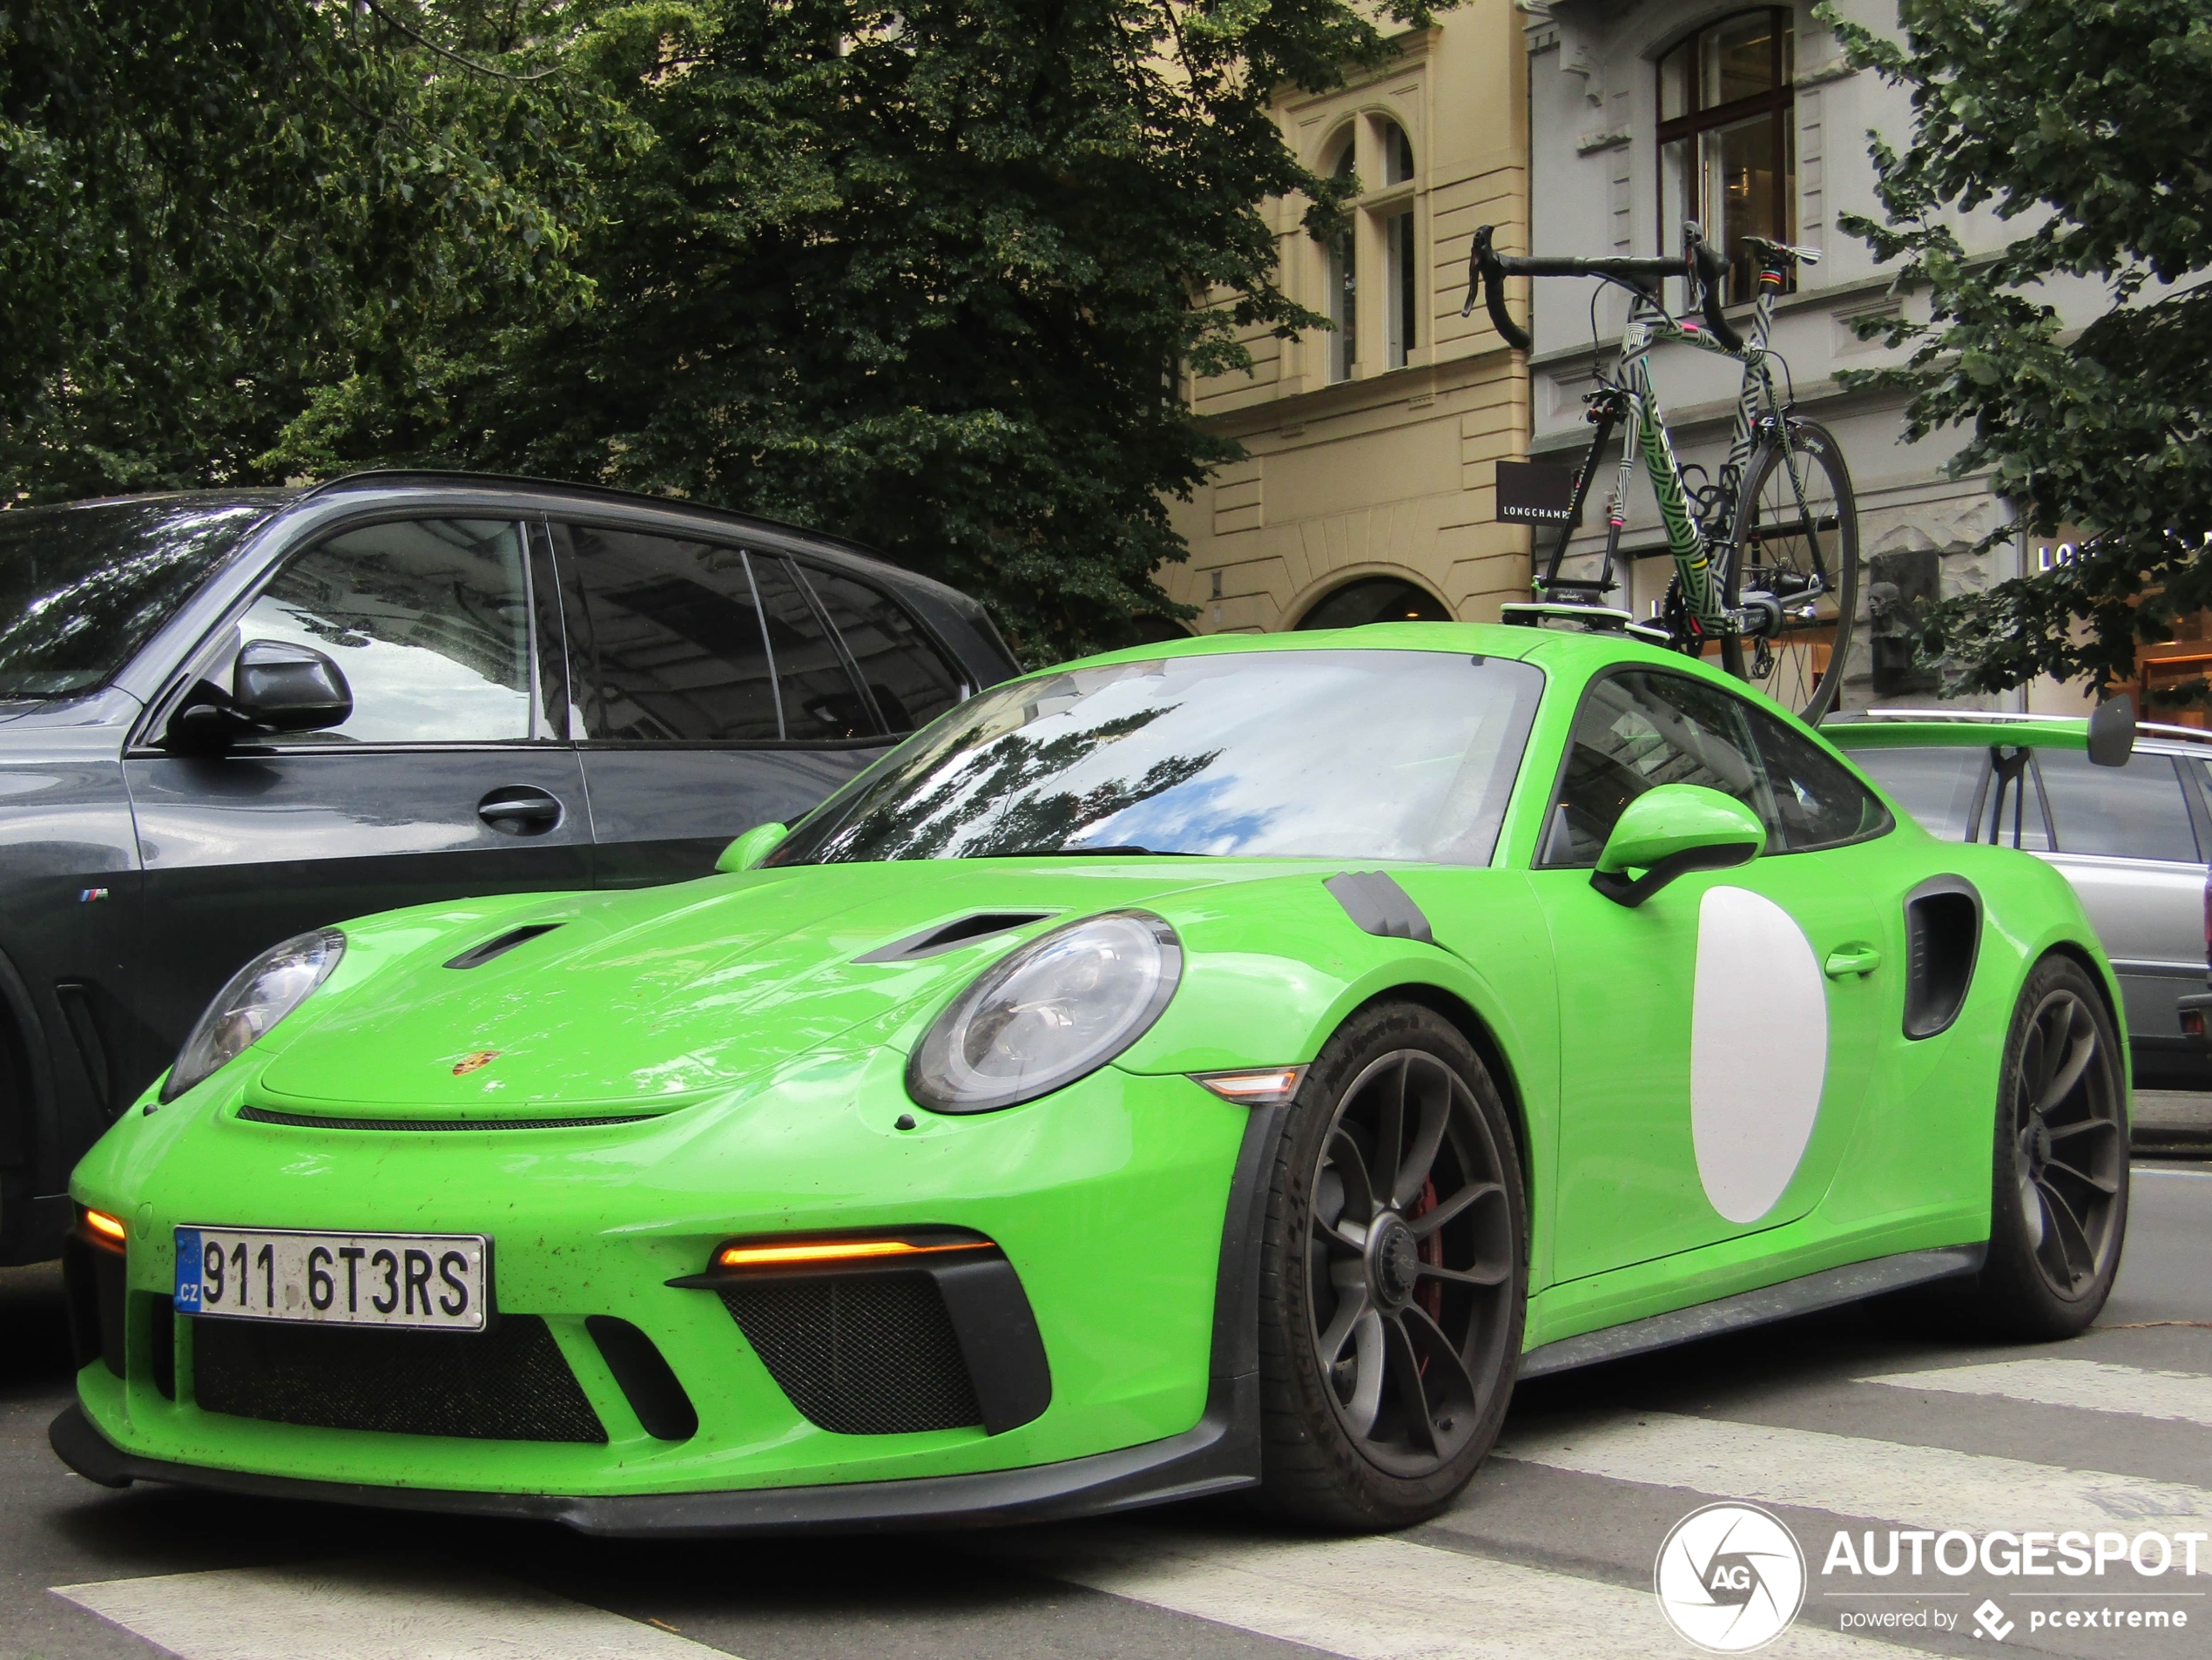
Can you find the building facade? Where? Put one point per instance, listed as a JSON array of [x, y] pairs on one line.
[[1574, 126], [1368, 488], [1748, 119]]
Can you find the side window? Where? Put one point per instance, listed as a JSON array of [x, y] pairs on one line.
[[820, 700], [910, 684], [667, 641], [2132, 811], [1636, 731], [1935, 785], [1816, 801], [428, 620]]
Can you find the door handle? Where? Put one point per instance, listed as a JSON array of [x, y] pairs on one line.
[[1860, 960], [519, 811]]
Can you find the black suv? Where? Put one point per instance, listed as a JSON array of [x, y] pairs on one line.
[[227, 718]]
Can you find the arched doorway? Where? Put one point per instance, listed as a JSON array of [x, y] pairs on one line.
[[1376, 599]]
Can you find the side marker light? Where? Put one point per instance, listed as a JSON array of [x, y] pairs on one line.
[[106, 1229], [833, 1250], [1266, 1086]]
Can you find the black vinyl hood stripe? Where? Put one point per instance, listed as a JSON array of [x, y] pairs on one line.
[[1379, 906]]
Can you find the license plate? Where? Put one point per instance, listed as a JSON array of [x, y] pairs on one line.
[[435, 1281]]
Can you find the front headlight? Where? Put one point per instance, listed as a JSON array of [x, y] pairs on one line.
[[1061, 1007], [258, 995]]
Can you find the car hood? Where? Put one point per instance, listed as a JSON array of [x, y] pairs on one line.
[[648, 1001]]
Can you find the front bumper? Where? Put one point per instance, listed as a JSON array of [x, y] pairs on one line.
[[1109, 1200]]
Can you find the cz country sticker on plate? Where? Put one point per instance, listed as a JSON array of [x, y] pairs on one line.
[[432, 1281]]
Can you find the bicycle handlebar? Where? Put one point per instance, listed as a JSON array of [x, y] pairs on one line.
[[1487, 270]]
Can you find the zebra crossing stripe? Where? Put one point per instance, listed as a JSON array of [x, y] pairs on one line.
[[387, 1609], [1920, 1487], [1376, 1598], [2090, 1386]]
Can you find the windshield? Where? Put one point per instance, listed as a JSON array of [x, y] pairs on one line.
[[83, 588], [1310, 754]]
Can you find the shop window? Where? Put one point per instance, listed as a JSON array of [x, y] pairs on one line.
[[1728, 138]]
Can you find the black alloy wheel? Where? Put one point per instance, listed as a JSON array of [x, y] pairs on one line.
[[1393, 1306], [2059, 1210]]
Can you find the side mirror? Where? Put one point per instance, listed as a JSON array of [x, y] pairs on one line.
[[282, 687], [752, 847], [1670, 831], [2112, 732], [276, 687]]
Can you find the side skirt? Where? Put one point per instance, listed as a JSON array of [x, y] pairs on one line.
[[1829, 1289]]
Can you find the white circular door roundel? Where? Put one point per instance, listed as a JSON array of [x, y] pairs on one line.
[[1758, 1050]]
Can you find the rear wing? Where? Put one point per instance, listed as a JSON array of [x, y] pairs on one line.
[[2108, 735]]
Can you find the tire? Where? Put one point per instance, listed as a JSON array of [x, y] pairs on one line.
[[2059, 1207], [1809, 653], [1388, 1349]]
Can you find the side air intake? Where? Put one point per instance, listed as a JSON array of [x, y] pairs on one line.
[[1942, 940]]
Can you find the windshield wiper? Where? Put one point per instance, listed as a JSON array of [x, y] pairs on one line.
[[1086, 847]]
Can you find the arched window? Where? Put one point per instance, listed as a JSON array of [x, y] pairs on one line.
[[1728, 137], [1344, 279], [1376, 599], [1401, 279]]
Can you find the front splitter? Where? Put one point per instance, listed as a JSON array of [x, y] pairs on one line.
[[1219, 1453]]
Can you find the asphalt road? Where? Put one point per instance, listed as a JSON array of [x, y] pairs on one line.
[[1841, 1423]]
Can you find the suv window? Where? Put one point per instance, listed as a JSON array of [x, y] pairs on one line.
[[910, 684], [428, 620], [1636, 731], [820, 700], [1816, 801], [669, 646], [1935, 785], [2132, 811]]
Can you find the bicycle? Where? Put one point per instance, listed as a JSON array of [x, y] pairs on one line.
[[1776, 589]]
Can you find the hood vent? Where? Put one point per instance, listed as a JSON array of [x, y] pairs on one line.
[[315, 1121], [930, 942], [477, 955]]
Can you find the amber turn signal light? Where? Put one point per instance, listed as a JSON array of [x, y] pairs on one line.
[[1266, 1086], [103, 1229], [809, 1251]]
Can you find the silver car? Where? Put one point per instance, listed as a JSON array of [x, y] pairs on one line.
[[2133, 838]]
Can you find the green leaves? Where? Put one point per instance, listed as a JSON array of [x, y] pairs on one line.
[[2090, 121], [925, 274]]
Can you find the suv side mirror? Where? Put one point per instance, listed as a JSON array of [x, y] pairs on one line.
[[1670, 831], [277, 687], [282, 687]]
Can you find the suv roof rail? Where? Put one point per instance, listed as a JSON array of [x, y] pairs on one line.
[[2161, 729], [393, 477]]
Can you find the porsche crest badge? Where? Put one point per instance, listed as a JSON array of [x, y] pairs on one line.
[[475, 1061]]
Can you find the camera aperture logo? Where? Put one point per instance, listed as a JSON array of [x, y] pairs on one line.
[[1729, 1578]]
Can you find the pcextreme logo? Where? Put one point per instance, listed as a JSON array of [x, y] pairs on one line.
[[1729, 1578]]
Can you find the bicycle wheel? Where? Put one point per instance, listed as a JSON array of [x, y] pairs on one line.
[[1796, 540]]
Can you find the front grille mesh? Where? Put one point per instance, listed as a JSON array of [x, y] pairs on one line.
[[862, 1355], [506, 1384]]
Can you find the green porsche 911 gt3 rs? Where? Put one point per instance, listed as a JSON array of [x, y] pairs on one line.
[[1224, 1065]]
